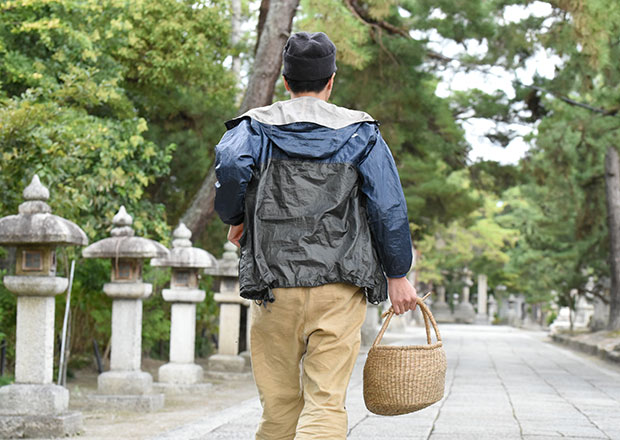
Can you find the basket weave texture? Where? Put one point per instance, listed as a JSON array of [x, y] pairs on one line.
[[400, 380]]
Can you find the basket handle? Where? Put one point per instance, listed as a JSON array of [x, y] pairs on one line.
[[426, 313]]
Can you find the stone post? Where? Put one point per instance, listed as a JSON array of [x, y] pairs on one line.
[[34, 406], [492, 308], [464, 311], [481, 316], [561, 322], [440, 308], [513, 318], [370, 327], [185, 262], [583, 314], [227, 360], [125, 386]]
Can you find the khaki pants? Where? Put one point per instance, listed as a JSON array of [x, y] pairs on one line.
[[304, 347]]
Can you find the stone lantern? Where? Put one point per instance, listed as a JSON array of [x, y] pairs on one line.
[[34, 406], [185, 262], [227, 360], [464, 312], [481, 316], [440, 308], [125, 386]]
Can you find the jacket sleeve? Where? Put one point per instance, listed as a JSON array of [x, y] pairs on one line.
[[386, 209], [234, 165]]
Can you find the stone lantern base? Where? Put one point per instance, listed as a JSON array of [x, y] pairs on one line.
[[464, 313], [227, 367], [482, 319], [441, 312], [28, 411], [182, 374], [127, 391], [181, 378], [370, 327], [133, 403]]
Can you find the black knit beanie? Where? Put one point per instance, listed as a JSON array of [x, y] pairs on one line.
[[308, 57]]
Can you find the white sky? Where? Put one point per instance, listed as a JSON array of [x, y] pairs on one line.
[[497, 78]]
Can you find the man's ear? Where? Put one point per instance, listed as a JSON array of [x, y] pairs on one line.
[[330, 83], [288, 88], [329, 86]]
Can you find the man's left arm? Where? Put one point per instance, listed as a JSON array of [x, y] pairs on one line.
[[234, 166], [388, 220]]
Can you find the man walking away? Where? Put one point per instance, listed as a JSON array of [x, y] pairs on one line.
[[316, 205]]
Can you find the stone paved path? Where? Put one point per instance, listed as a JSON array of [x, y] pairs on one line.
[[502, 383]]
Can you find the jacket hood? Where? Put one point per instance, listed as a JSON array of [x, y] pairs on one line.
[[307, 127]]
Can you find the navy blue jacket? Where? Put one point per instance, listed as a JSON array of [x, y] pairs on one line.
[[319, 195]]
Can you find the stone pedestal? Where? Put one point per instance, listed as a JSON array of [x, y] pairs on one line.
[[125, 386], [181, 369], [464, 311], [37, 411], [514, 315], [370, 327], [228, 363], [33, 406], [440, 308], [583, 313], [228, 358], [492, 308], [230, 317], [181, 373], [561, 322], [482, 317], [34, 348]]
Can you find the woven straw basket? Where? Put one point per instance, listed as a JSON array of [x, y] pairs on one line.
[[400, 380]]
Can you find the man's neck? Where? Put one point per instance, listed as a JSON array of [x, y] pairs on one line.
[[322, 95]]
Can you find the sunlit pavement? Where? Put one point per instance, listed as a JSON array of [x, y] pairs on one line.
[[502, 383]]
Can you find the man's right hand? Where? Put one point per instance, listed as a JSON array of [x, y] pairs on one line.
[[402, 295], [235, 233]]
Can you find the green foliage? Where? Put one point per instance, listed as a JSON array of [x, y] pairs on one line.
[[156, 314], [560, 207], [8, 312], [177, 80], [478, 242], [206, 319], [112, 103], [348, 34], [66, 116]]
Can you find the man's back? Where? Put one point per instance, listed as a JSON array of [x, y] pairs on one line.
[[315, 167]]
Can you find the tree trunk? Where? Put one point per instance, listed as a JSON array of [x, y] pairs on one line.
[[262, 17], [201, 210], [267, 63], [235, 36], [612, 187]]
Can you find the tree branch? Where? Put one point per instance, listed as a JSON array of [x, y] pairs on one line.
[[361, 15], [566, 99]]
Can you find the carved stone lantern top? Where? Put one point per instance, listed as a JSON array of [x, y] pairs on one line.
[[183, 255], [228, 265], [35, 223], [123, 243]]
